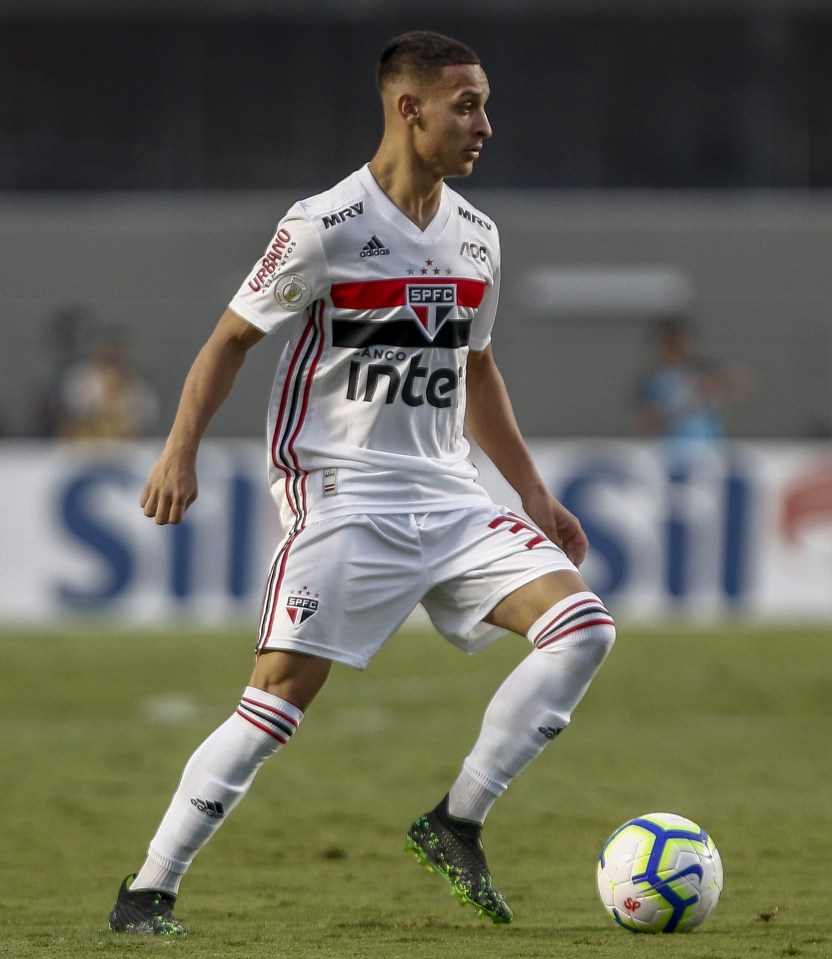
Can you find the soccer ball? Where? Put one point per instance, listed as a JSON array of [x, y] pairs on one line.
[[659, 873]]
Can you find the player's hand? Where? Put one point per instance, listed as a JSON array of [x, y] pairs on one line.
[[562, 527], [170, 489]]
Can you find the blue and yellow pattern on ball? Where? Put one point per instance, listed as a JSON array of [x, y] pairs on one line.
[[659, 873]]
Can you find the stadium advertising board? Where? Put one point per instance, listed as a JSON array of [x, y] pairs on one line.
[[747, 530]]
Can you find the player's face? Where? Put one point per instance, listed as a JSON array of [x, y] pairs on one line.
[[454, 125]]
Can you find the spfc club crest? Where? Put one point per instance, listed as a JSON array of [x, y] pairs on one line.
[[300, 605], [432, 303]]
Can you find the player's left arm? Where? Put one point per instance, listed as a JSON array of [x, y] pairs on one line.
[[491, 422]]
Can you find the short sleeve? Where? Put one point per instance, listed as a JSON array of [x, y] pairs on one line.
[[486, 314], [291, 274]]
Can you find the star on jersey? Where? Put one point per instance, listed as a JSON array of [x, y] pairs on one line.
[[429, 269]]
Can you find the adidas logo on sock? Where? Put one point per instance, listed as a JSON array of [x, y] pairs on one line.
[[214, 810], [374, 247]]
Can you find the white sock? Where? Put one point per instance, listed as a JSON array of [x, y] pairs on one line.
[[215, 779], [473, 794], [535, 702]]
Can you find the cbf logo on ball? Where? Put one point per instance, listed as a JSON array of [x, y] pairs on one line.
[[432, 303]]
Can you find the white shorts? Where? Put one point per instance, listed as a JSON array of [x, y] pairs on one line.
[[341, 587]]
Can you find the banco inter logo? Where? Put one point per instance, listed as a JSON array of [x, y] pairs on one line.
[[415, 384], [432, 303]]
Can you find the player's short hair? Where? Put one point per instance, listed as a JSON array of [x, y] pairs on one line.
[[421, 53]]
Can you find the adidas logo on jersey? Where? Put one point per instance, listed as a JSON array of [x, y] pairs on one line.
[[374, 247]]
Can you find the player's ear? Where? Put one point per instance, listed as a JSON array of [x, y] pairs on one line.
[[409, 107]]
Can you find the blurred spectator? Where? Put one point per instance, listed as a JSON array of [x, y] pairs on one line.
[[102, 397], [63, 332], [682, 397]]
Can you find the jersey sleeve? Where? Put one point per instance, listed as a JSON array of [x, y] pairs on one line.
[[291, 274], [486, 314]]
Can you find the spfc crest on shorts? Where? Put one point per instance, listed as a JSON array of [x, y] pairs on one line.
[[301, 605]]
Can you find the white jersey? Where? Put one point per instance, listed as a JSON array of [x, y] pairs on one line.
[[368, 403]]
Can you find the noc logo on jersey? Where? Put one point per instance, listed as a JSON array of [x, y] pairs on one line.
[[432, 303], [300, 605]]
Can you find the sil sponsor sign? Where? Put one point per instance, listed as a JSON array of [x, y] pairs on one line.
[[743, 530]]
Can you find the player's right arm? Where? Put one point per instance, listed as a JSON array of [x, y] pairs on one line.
[[172, 484]]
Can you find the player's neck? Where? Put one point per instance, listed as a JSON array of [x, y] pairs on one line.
[[414, 191]]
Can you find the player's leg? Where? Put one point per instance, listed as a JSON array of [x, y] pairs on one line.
[[572, 633], [540, 594], [215, 779], [336, 591], [223, 767]]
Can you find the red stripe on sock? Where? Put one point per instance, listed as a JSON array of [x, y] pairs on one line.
[[271, 709], [575, 628], [560, 615], [265, 729]]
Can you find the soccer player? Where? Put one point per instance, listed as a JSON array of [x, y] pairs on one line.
[[387, 286]]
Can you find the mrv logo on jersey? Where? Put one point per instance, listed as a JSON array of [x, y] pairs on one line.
[[333, 219], [473, 218]]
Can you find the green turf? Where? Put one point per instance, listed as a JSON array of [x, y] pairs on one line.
[[730, 728]]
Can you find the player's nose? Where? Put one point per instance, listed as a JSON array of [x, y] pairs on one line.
[[483, 126]]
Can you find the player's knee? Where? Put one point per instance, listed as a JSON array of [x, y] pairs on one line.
[[579, 620], [295, 677], [601, 637]]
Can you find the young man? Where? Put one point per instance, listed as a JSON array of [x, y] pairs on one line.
[[388, 286]]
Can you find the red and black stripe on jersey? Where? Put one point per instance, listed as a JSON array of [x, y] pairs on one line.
[[294, 405], [383, 294], [358, 334], [449, 333]]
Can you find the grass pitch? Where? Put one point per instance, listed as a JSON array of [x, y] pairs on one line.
[[728, 727]]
